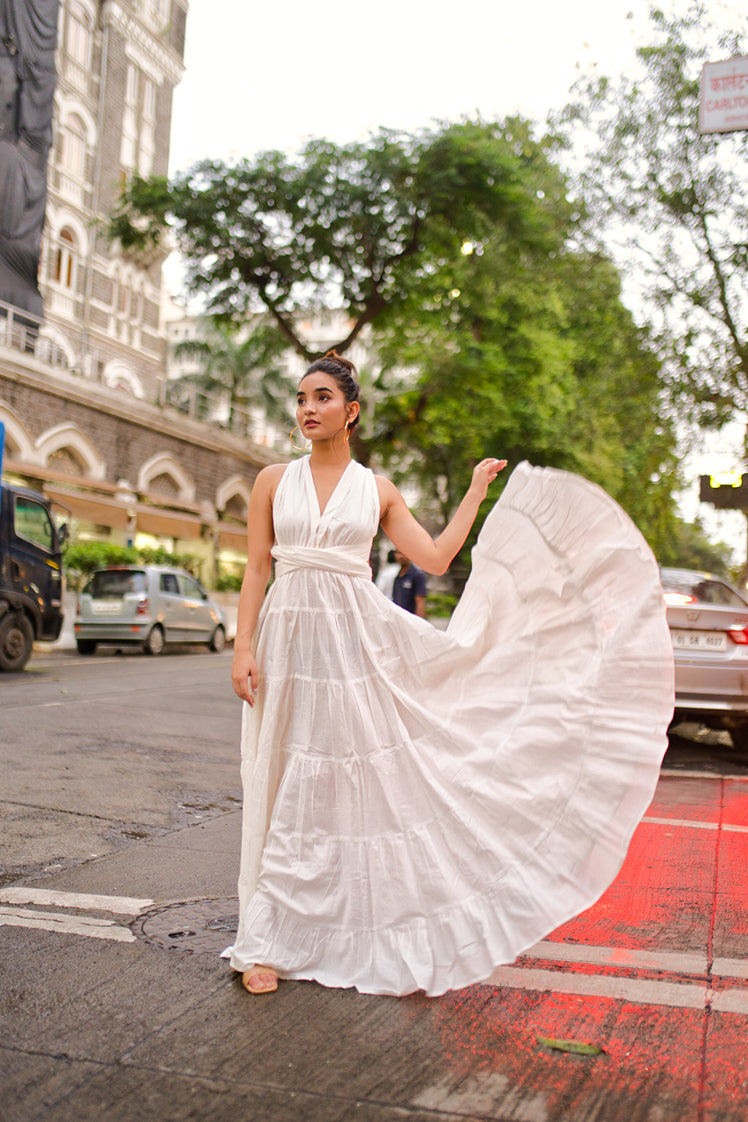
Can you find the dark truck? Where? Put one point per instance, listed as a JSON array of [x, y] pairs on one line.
[[31, 582]]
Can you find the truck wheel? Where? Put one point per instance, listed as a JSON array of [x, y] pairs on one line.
[[218, 640], [16, 641], [85, 646], [154, 644]]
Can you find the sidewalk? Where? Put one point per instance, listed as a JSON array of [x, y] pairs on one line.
[[147, 1021]]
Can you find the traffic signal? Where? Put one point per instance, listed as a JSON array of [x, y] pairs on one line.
[[726, 491]]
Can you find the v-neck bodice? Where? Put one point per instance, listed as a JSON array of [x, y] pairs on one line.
[[349, 520], [330, 497]]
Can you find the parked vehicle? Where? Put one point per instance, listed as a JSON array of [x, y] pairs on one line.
[[708, 621], [146, 606], [31, 580]]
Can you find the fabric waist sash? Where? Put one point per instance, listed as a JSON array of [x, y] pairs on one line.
[[289, 558]]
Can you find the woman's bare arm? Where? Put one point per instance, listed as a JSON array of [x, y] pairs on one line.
[[260, 538], [406, 534]]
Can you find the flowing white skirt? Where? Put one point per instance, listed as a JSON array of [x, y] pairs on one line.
[[421, 806]]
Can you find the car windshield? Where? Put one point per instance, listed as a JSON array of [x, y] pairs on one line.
[[690, 588], [115, 583]]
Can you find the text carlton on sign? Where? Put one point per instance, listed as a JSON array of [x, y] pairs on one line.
[[723, 99]]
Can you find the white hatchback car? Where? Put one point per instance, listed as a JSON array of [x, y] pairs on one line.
[[146, 606]]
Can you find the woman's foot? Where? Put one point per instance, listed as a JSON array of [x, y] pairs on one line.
[[260, 979]]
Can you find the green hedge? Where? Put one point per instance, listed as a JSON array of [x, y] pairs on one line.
[[81, 558]]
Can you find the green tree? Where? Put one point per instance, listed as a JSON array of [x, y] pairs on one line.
[[689, 547], [499, 330], [358, 226], [524, 349], [239, 366], [673, 204]]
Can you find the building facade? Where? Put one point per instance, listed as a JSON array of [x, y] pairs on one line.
[[82, 392]]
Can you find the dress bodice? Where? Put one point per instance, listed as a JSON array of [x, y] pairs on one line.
[[338, 539]]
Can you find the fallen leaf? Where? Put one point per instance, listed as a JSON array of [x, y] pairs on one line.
[[576, 1046]]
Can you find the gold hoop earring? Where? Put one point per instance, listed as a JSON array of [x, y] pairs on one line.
[[296, 446], [347, 434]]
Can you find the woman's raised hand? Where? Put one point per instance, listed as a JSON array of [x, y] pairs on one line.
[[484, 473]]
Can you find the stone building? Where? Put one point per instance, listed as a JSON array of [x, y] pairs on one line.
[[82, 392]]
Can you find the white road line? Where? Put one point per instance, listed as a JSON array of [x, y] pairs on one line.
[[695, 825], [686, 995], [673, 963], [118, 905], [730, 1001], [91, 926], [730, 968]]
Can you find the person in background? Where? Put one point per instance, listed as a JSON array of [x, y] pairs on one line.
[[409, 587], [386, 575]]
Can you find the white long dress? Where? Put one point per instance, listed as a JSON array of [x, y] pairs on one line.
[[421, 806]]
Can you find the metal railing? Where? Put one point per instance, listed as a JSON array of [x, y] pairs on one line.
[[216, 409], [21, 331]]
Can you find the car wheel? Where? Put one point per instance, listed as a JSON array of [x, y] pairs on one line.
[[85, 646], [154, 644], [218, 640], [739, 736], [16, 641]]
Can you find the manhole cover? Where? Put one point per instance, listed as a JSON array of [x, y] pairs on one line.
[[203, 926]]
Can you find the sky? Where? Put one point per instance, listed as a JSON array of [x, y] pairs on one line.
[[291, 70], [272, 75]]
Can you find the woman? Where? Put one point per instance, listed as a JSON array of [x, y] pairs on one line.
[[422, 806]]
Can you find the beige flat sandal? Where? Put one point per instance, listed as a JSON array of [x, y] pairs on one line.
[[260, 979]]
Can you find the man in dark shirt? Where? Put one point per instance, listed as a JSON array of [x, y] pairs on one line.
[[409, 587]]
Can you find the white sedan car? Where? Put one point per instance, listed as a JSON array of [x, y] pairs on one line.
[[708, 621]]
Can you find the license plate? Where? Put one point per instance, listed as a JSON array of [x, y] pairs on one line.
[[104, 607], [699, 640]]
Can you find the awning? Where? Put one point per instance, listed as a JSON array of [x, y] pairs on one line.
[[232, 537], [90, 508], [167, 523]]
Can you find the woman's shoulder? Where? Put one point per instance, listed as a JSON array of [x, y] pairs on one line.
[[270, 476], [385, 485], [267, 480], [271, 473], [386, 490]]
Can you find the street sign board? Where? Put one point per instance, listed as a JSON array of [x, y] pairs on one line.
[[723, 96]]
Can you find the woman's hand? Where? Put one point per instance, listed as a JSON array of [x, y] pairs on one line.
[[245, 675], [483, 474]]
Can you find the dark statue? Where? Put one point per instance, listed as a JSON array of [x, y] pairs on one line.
[[28, 37]]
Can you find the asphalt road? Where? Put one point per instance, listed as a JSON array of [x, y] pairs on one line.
[[120, 839]]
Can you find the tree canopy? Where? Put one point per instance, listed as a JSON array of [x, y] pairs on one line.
[[673, 204], [358, 226], [496, 327], [526, 351]]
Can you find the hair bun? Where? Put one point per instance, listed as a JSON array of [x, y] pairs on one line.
[[333, 354]]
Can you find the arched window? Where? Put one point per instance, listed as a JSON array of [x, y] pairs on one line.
[[64, 271]]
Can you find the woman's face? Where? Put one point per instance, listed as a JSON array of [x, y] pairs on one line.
[[321, 409]]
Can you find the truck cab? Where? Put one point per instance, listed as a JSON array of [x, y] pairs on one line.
[[31, 580]]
